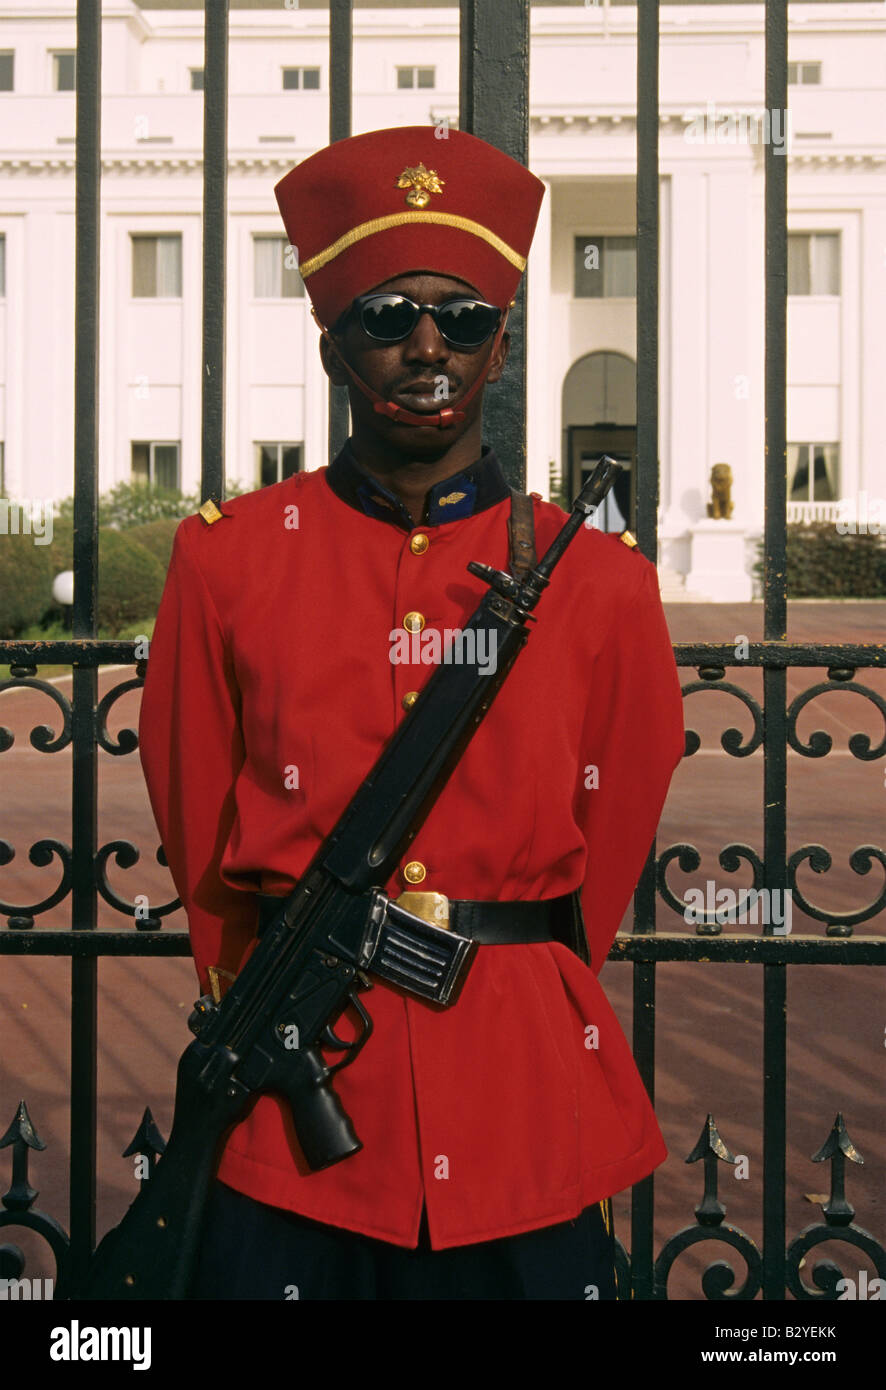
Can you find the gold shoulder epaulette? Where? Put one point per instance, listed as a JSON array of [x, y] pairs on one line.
[[629, 540], [210, 512]]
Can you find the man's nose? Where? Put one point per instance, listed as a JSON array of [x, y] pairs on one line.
[[426, 343]]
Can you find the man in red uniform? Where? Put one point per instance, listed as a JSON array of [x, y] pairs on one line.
[[494, 1131]]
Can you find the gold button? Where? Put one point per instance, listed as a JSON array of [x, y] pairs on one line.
[[419, 544], [415, 872], [409, 699], [414, 622]]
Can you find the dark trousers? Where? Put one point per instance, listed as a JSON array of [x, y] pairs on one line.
[[253, 1251]]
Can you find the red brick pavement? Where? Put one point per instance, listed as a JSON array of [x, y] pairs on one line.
[[709, 1017]]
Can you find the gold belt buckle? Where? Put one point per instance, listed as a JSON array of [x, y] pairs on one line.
[[431, 907]]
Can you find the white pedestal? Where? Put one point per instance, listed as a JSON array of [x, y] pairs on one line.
[[717, 562]]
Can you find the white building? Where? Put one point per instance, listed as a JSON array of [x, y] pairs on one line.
[[582, 268]]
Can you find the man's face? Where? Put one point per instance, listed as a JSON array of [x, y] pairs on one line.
[[423, 373]]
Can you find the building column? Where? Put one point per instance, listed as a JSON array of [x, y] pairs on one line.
[[541, 387], [315, 411]]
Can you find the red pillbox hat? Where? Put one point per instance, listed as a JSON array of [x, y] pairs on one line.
[[366, 209]]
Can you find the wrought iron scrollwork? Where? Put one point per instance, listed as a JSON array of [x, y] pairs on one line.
[[689, 860], [713, 678], [838, 1214], [820, 743], [127, 739], [18, 1202], [44, 739], [860, 860], [719, 1277], [126, 856], [21, 916]]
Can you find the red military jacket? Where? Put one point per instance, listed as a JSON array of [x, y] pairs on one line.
[[269, 694]]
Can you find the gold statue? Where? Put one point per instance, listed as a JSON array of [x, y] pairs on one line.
[[720, 505]]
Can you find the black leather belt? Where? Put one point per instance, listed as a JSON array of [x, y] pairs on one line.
[[491, 923]]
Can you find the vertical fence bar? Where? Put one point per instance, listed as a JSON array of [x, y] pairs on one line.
[[646, 523], [341, 49], [646, 519], [775, 620], [215, 182], [494, 105], [84, 787]]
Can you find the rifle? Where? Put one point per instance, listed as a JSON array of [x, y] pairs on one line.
[[334, 930]]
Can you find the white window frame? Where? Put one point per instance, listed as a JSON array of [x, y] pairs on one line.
[[600, 238], [810, 480], [803, 73], [54, 56], [156, 298], [272, 298], [154, 444], [415, 69], [301, 69], [279, 445], [811, 233]]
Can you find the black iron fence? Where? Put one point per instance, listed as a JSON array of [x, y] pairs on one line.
[[494, 105]]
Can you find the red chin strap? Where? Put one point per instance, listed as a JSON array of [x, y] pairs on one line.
[[443, 419]]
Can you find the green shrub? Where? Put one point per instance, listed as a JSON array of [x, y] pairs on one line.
[[130, 504], [61, 551], [156, 536], [25, 582], [822, 563], [130, 580]]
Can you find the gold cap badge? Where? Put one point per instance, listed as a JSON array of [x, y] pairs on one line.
[[421, 183]]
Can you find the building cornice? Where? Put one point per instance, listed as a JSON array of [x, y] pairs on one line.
[[153, 164]]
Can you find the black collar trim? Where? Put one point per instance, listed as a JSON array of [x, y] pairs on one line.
[[475, 489]]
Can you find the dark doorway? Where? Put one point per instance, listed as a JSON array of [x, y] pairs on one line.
[[585, 445]]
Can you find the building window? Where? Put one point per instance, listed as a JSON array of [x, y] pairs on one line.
[[814, 263], [275, 273], [274, 462], [155, 464], [196, 79], [2, 267], [7, 64], [605, 267], [416, 77], [821, 482], [64, 71], [157, 267], [804, 74], [301, 79]]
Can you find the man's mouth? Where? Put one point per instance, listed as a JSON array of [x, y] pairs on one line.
[[422, 397]]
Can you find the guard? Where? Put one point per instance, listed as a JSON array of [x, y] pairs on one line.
[[297, 628]]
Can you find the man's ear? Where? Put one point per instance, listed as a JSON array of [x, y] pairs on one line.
[[499, 358], [331, 364]]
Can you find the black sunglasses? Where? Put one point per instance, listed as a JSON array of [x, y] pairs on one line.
[[389, 318]]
